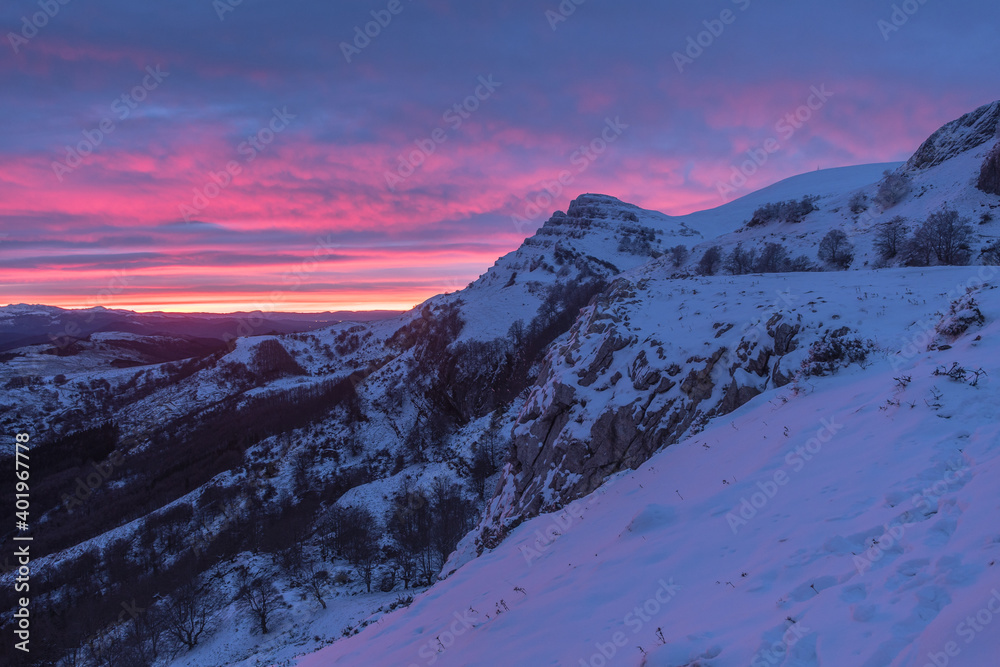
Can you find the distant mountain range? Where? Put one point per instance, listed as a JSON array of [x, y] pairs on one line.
[[25, 324]]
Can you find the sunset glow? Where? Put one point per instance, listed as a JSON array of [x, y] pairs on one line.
[[137, 173]]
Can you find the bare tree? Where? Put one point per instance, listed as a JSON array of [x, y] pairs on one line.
[[452, 517], [484, 466], [678, 255], [918, 247], [316, 580], [949, 236], [836, 249], [773, 259], [143, 635], [741, 261], [187, 616], [890, 237], [365, 557], [259, 596], [409, 523], [709, 263]]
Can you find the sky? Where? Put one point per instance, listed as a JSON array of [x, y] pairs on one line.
[[220, 155]]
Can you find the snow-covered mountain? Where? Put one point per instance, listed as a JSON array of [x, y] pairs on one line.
[[581, 422], [844, 518]]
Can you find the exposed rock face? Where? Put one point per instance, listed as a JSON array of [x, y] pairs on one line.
[[989, 177], [970, 131], [618, 389], [602, 206]]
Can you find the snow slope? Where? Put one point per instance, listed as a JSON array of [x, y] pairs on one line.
[[823, 183], [841, 520]]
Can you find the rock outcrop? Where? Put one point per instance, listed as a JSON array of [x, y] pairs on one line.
[[989, 176], [970, 131], [620, 387]]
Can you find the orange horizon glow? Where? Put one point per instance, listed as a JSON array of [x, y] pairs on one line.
[[222, 304]]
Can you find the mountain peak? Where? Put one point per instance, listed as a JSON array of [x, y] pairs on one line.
[[602, 206], [970, 131]]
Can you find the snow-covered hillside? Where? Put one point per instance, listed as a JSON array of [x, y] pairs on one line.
[[846, 519]]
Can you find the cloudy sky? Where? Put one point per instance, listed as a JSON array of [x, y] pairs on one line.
[[222, 155]]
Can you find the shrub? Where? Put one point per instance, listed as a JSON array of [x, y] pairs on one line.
[[709, 263], [858, 203], [640, 244], [963, 313], [991, 254], [787, 211], [834, 351], [835, 249], [893, 188], [800, 264]]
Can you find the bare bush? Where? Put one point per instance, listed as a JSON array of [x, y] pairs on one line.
[[858, 203], [893, 188], [990, 254], [834, 351]]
